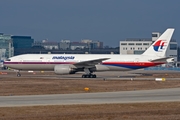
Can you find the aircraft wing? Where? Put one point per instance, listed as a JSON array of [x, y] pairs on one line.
[[165, 59], [89, 63]]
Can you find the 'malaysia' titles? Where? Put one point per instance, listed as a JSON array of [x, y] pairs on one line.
[[63, 57]]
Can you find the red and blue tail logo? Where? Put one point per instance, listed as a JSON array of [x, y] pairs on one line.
[[158, 45]]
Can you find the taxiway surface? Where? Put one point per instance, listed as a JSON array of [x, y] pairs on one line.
[[159, 95]]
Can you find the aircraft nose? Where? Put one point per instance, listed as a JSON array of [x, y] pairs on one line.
[[8, 60]]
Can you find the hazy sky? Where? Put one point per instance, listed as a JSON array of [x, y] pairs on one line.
[[108, 21]]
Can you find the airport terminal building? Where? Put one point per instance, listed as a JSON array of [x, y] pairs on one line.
[[6, 46]]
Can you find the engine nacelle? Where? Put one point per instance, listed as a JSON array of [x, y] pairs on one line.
[[64, 69]]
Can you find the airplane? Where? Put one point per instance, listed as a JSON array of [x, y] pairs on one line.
[[64, 64]]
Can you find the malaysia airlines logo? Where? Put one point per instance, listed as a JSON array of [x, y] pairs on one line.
[[159, 45]]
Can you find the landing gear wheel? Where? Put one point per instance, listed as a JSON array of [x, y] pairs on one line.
[[83, 76], [94, 76], [18, 75], [90, 76]]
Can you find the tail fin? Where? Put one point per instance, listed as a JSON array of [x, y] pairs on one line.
[[159, 47]]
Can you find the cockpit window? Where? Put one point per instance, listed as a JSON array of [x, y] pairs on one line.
[[8, 60]]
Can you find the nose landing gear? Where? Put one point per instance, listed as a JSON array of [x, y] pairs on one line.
[[18, 74]]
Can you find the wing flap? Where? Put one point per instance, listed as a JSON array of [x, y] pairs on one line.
[[90, 63]]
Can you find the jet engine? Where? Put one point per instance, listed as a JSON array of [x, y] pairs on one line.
[[64, 69]]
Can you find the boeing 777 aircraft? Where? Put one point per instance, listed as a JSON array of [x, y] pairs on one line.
[[89, 63]]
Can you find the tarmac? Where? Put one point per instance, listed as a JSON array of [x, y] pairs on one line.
[[142, 96], [159, 95]]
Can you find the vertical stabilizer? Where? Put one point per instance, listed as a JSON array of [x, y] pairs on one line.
[[159, 47]]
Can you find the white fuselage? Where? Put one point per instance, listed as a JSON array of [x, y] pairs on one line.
[[49, 61]]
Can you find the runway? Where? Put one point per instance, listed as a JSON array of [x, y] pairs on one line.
[[159, 95], [130, 75]]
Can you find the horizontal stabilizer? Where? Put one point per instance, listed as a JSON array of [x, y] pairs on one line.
[[162, 59]]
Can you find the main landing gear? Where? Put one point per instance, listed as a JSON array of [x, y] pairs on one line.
[[88, 74]]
